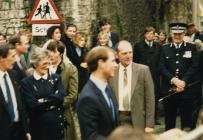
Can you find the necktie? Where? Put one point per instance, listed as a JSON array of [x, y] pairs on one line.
[[26, 57], [150, 43], [111, 106], [126, 97], [10, 102], [177, 46]]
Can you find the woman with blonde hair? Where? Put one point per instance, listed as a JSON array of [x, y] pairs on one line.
[[78, 57], [103, 39]]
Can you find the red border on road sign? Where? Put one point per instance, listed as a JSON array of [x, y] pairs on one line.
[[30, 21]]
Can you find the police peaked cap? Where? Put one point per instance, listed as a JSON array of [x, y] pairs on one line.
[[177, 28]]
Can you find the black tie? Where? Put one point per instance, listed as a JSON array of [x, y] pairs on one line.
[[108, 92], [177, 45], [10, 102], [150, 43]]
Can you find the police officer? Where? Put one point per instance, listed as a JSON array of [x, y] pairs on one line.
[[179, 68]]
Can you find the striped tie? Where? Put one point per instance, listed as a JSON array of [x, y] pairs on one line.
[[126, 97]]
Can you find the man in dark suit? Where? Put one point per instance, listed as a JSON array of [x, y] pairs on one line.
[[137, 86], [147, 52], [201, 69], [12, 115], [21, 43], [180, 72], [67, 39], [201, 65], [96, 106]]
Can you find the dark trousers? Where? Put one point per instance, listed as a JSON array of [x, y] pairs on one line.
[[17, 132], [196, 109], [172, 106], [125, 118]]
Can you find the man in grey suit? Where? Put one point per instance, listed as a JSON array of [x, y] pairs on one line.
[[134, 90]]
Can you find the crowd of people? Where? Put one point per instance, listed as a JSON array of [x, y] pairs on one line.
[[66, 90]]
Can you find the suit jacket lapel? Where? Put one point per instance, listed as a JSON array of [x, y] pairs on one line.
[[106, 106], [149, 49], [103, 101], [115, 104], [116, 82], [146, 46], [16, 88], [135, 70], [2, 99]]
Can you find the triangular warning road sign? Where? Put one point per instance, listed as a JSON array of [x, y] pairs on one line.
[[44, 12]]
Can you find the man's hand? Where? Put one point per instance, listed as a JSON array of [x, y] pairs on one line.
[[84, 65], [178, 89], [28, 136], [180, 84], [177, 82], [148, 130]]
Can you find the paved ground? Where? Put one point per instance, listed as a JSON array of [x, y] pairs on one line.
[[161, 128]]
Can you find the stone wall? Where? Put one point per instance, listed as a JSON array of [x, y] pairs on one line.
[[13, 15], [177, 11], [128, 17], [83, 13]]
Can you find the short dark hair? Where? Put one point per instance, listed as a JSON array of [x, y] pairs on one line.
[[70, 25], [51, 30], [149, 29], [190, 25], [4, 49], [15, 39], [104, 21], [53, 45], [96, 54]]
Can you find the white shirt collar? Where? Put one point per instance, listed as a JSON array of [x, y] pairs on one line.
[[148, 42], [178, 45], [53, 68], [17, 59], [99, 83], [37, 76], [2, 73], [109, 34], [128, 67]]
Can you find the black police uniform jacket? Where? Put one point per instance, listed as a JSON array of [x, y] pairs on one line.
[[44, 100], [182, 63], [201, 65]]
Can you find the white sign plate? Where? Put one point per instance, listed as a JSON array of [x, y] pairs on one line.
[[41, 29]]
